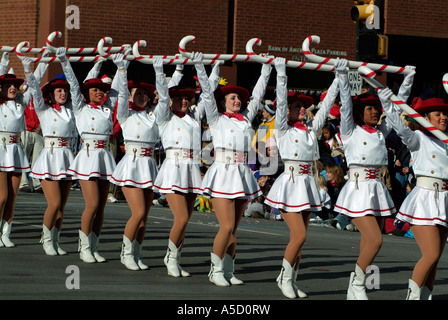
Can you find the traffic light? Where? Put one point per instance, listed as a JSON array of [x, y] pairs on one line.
[[370, 43], [383, 46]]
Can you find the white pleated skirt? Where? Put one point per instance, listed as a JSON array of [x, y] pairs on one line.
[[13, 159], [98, 163], [184, 177], [364, 198], [235, 181], [294, 193], [424, 207], [140, 172], [53, 164]]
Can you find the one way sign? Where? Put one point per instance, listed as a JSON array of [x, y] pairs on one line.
[[355, 82]]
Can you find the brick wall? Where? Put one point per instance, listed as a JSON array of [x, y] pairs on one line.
[[162, 23], [19, 23], [423, 18]]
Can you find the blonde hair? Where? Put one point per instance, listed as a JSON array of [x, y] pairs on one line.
[[321, 182]]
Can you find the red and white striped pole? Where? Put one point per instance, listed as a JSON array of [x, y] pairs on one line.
[[289, 63], [369, 76], [351, 64], [22, 47]]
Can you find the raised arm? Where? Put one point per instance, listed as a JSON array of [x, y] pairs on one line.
[[122, 88], [409, 138], [213, 80], [207, 90], [33, 86], [281, 113], [322, 115], [162, 112], [75, 92], [347, 122], [258, 92]]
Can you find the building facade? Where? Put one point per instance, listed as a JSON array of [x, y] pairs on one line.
[[417, 32]]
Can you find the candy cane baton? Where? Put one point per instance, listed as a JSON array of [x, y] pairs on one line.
[[144, 59], [24, 50], [351, 64], [445, 82], [58, 34], [289, 63], [369, 76], [210, 56], [22, 47]]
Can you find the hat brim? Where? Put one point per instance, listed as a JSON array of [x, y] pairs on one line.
[[307, 101], [50, 86], [432, 104], [95, 84], [243, 93], [150, 88], [17, 81], [176, 92]]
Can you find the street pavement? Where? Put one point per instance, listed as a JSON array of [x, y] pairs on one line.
[[328, 257]]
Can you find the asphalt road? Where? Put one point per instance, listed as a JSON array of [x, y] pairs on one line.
[[329, 256]]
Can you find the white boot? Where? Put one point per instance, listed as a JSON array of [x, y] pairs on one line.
[[172, 259], [357, 285], [229, 268], [56, 234], [414, 291], [299, 292], [216, 274], [95, 241], [138, 255], [284, 280], [85, 247], [127, 254], [47, 241], [6, 232]]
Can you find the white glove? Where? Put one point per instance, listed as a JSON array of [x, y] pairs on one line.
[[27, 64], [266, 70], [384, 95], [196, 57], [409, 78], [179, 67], [61, 54], [118, 60], [280, 65], [5, 58], [158, 65], [341, 66]]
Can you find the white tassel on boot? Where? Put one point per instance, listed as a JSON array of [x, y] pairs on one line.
[[6, 232], [414, 291], [47, 241], [85, 247], [94, 243], [216, 274], [138, 255], [172, 260], [299, 292], [127, 254], [357, 285], [56, 234], [285, 280], [229, 269]]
